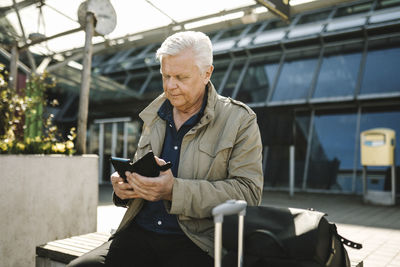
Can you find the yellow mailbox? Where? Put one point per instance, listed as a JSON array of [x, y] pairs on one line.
[[377, 147]]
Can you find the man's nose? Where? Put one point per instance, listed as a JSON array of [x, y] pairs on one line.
[[171, 83]]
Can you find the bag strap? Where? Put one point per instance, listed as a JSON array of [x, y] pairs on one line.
[[346, 241]]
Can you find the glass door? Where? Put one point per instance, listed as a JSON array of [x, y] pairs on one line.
[[116, 137]]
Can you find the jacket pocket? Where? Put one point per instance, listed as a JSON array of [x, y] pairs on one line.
[[213, 149], [214, 159]]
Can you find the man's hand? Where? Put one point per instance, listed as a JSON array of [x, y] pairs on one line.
[[152, 188], [121, 189]]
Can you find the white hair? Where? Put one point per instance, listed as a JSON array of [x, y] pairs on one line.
[[198, 42]]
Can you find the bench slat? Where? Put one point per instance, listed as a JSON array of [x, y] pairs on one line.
[[65, 250]]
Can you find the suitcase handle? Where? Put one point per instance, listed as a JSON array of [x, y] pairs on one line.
[[230, 207]]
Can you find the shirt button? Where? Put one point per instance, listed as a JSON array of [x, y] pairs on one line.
[[176, 147], [170, 125], [159, 222]]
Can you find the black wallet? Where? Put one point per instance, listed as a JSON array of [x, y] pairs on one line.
[[146, 166]]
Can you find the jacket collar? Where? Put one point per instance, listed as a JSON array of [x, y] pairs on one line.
[[149, 114]]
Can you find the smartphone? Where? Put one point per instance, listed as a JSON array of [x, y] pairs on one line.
[[146, 166]]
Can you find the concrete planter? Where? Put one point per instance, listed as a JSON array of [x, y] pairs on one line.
[[43, 198]]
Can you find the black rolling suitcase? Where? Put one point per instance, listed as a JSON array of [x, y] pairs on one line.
[[285, 237], [231, 207]]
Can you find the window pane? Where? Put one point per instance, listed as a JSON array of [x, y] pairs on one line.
[[276, 24], [277, 162], [302, 124], [107, 152], [135, 83], [233, 78], [295, 79], [314, 17], [93, 139], [253, 29], [387, 3], [338, 75], [382, 71], [257, 82], [218, 73], [354, 9], [119, 150], [232, 33], [332, 152], [277, 135], [134, 129], [155, 85]]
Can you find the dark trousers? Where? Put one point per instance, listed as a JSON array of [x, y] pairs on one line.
[[136, 247]]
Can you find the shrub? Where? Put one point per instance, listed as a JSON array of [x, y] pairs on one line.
[[23, 129]]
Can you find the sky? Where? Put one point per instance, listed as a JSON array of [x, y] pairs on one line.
[[132, 16]]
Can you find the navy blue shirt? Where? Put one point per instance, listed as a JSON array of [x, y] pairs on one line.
[[153, 216]]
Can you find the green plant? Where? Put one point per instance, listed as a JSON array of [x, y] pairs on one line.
[[23, 129]]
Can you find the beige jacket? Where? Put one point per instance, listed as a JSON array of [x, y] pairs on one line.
[[220, 159]]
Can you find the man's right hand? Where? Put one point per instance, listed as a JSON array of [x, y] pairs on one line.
[[121, 189]]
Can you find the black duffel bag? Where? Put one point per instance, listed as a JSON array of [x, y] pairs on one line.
[[285, 237]]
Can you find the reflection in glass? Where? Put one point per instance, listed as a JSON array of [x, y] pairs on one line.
[[382, 71], [332, 152], [338, 75], [257, 82], [295, 79], [232, 80]]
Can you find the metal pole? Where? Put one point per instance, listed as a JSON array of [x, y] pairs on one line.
[[30, 57], [125, 151], [393, 184], [217, 244], [101, 152], [85, 86], [14, 67], [240, 239], [291, 171], [364, 175]]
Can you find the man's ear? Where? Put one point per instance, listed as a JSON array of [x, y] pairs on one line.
[[208, 73]]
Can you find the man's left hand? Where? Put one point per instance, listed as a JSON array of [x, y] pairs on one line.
[[152, 188]]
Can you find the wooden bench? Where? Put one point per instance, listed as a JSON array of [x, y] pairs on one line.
[[60, 252]]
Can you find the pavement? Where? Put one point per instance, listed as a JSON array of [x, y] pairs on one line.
[[376, 227]]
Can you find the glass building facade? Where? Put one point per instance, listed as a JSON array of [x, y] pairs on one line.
[[315, 83]]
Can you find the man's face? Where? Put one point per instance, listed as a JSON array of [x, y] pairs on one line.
[[183, 83]]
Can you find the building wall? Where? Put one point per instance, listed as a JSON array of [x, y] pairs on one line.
[[315, 83]]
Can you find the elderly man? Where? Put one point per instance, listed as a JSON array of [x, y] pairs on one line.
[[214, 145]]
